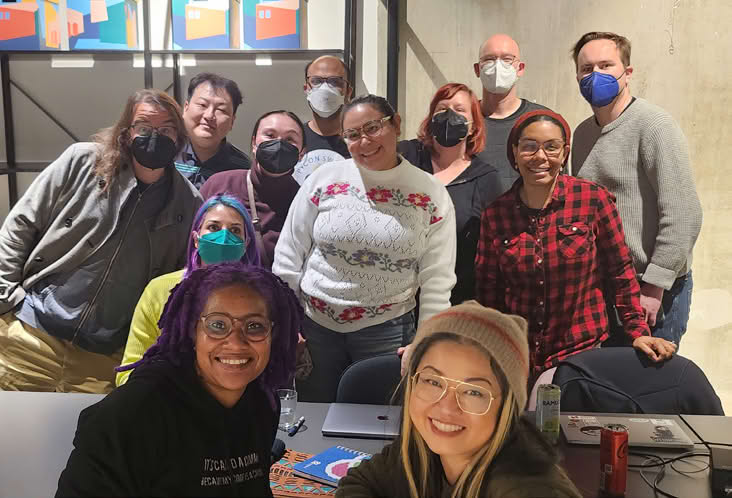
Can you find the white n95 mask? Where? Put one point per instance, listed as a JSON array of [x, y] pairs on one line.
[[498, 77], [325, 100]]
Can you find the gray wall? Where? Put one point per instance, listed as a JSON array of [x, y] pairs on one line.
[[85, 100]]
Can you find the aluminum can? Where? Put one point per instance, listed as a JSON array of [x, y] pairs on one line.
[[547, 410], [613, 460]]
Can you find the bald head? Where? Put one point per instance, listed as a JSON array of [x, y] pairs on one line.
[[499, 45], [329, 64]]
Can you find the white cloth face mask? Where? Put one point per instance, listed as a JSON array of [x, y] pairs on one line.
[[498, 77], [325, 100]]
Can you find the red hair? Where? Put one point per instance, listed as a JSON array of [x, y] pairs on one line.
[[476, 140]]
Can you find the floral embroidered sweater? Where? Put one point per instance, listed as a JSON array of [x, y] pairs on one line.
[[358, 244]]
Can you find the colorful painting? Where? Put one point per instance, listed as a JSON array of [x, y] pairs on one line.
[[69, 25], [237, 24]]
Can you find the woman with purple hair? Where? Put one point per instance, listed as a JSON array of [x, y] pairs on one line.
[[222, 231], [199, 415]]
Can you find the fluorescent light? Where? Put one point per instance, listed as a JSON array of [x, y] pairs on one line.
[[73, 61], [263, 60]]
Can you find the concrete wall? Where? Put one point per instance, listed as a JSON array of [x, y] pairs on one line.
[[682, 61]]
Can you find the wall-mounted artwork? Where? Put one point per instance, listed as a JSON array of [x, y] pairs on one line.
[[237, 24], [69, 25]]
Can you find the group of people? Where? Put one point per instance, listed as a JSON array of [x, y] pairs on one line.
[[469, 250]]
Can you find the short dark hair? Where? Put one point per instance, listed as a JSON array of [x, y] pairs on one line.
[[621, 42], [379, 103], [345, 68], [289, 114], [217, 81]]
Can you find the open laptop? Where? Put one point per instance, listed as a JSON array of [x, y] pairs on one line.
[[649, 431], [362, 421]]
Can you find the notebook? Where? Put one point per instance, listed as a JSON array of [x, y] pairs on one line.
[[330, 465], [643, 431], [285, 484], [362, 421]]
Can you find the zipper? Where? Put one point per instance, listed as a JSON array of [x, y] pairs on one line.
[[88, 309]]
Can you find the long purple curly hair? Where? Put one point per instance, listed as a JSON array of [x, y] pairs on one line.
[[187, 300]]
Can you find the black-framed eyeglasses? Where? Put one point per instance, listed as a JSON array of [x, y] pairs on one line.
[[370, 129], [476, 400], [219, 325], [335, 81], [552, 148], [146, 129]]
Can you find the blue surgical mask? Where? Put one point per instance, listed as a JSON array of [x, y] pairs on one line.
[[599, 89], [220, 246]]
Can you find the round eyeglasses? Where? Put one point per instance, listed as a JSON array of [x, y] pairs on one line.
[[334, 81], [552, 148], [219, 325], [472, 399], [145, 130], [370, 129]]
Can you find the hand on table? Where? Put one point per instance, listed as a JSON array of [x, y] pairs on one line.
[[655, 348], [404, 352], [651, 302]]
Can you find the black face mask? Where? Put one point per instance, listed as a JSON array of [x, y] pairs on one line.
[[277, 156], [449, 128], [155, 151]]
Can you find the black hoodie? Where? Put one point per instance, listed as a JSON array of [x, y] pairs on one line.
[[471, 192], [163, 434]]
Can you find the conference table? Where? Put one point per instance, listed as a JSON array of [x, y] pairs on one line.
[[37, 431]]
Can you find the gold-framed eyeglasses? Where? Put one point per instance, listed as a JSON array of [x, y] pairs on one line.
[[508, 59], [473, 399], [219, 325], [370, 129], [552, 148], [146, 129]]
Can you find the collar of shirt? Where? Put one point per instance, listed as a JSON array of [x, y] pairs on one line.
[[558, 194], [190, 157]]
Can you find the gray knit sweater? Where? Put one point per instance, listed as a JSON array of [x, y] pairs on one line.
[[643, 159]]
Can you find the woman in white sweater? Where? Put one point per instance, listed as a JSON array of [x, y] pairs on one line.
[[361, 238]]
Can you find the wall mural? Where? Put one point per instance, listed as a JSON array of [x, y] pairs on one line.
[[69, 25], [237, 24]]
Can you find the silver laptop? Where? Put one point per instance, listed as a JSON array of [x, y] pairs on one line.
[[362, 421], [649, 431]]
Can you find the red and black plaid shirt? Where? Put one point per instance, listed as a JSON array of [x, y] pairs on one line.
[[550, 266]]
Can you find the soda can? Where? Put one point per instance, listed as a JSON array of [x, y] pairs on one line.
[[547, 410], [613, 460]]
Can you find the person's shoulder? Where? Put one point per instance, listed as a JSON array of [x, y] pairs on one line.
[[586, 188], [164, 283], [586, 126], [533, 106], [333, 169], [238, 158], [652, 118], [223, 182]]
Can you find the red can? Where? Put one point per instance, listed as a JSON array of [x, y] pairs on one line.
[[613, 460]]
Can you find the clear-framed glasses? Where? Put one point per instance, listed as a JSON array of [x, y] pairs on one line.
[[552, 148], [335, 81], [146, 129], [219, 325], [370, 129], [472, 399], [508, 59]]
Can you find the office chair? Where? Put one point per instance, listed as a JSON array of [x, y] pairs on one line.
[[623, 380], [371, 381]]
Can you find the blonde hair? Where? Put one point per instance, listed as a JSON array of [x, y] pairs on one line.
[[415, 455]]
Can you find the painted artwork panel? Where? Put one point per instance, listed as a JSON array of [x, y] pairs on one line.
[[237, 24], [90, 25]]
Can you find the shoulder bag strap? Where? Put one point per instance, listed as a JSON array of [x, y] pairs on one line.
[[255, 221]]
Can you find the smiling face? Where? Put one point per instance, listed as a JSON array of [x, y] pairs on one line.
[[377, 152], [208, 115], [227, 366], [449, 431], [217, 218], [540, 168]]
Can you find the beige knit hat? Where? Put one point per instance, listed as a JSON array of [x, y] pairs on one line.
[[504, 336]]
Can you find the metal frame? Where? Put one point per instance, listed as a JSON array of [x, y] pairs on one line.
[[12, 168]]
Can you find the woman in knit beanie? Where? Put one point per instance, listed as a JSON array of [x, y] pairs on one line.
[[461, 433], [552, 246]]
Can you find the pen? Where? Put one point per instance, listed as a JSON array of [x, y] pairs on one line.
[[293, 430]]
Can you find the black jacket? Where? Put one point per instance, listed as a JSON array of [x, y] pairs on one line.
[[471, 192], [163, 434], [526, 467]]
